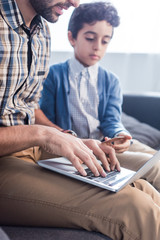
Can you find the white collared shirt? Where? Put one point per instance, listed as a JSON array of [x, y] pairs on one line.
[[84, 99]]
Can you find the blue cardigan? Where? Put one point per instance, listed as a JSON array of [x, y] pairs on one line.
[[54, 100]]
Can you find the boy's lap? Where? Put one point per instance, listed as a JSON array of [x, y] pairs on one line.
[[133, 160], [138, 146]]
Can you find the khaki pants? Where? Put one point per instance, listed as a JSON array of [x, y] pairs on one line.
[[32, 196]]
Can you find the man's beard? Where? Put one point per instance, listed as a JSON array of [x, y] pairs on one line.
[[49, 15], [46, 12]]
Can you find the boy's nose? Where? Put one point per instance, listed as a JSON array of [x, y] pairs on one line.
[[97, 45]]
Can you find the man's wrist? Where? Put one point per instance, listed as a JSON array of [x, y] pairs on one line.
[[70, 132]]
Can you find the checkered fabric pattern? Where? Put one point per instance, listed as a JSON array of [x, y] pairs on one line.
[[84, 100], [20, 85]]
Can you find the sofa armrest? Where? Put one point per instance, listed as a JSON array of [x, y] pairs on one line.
[[143, 106]]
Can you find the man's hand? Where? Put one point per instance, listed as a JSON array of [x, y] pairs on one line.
[[58, 143], [105, 153], [76, 150]]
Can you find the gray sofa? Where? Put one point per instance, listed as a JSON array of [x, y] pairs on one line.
[[141, 117], [144, 107], [140, 111], [33, 233]]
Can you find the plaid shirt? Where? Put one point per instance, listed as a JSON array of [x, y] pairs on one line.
[[24, 61]]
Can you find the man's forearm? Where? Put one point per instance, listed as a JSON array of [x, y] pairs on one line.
[[17, 138]]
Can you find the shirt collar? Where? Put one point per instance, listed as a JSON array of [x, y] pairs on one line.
[[13, 16], [75, 68]]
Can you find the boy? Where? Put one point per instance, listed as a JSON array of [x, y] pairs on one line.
[[86, 98]]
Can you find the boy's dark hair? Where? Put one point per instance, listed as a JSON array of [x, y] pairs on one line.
[[90, 13]]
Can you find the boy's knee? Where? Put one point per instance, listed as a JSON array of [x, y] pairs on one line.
[[141, 197]]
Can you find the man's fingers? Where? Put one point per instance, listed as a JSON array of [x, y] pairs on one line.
[[101, 151], [100, 168], [118, 167], [103, 158], [88, 159], [76, 163], [91, 164], [114, 163]]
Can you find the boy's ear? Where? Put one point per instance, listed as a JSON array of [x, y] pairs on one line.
[[71, 39]]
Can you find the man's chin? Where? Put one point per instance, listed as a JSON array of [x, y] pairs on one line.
[[52, 20]]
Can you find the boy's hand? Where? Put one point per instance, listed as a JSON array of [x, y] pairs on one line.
[[120, 143]]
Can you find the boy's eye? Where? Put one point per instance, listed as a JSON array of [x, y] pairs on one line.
[[90, 39], [105, 42]]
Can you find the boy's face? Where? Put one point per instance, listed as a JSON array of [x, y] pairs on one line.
[[91, 42]]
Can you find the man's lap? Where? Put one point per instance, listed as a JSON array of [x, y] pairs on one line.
[[32, 196], [129, 159]]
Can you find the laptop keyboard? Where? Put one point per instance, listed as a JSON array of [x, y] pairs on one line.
[[110, 175], [112, 178]]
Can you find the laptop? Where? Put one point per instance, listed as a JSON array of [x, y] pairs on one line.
[[114, 181]]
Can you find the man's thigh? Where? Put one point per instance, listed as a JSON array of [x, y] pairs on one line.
[[33, 154]]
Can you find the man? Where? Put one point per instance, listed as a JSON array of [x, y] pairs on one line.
[[33, 196], [30, 46]]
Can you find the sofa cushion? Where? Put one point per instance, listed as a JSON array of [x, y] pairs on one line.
[[33, 233], [3, 235], [142, 131]]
